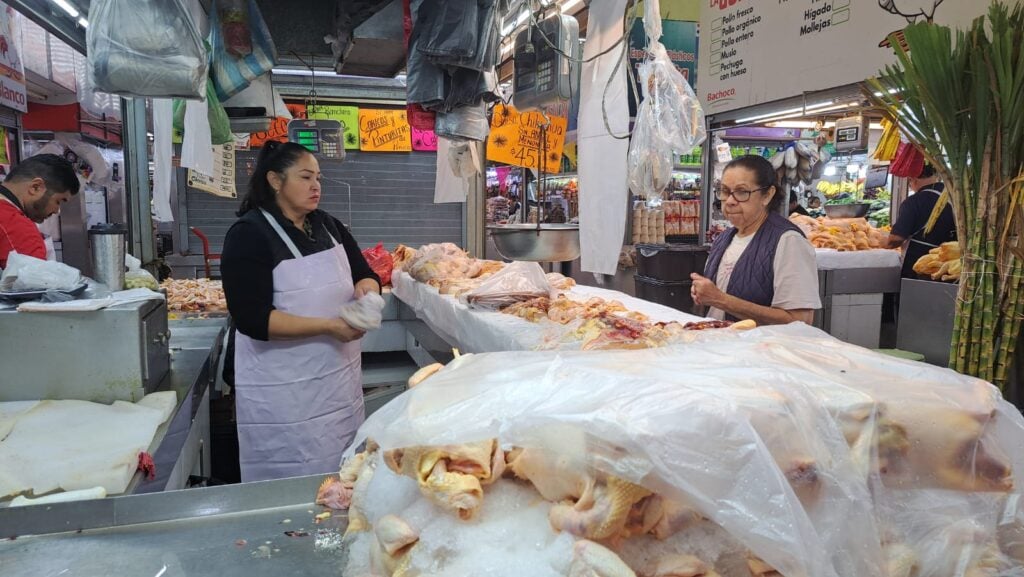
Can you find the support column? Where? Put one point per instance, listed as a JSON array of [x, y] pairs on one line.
[[136, 155]]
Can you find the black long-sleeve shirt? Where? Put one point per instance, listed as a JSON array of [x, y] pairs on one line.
[[251, 251]]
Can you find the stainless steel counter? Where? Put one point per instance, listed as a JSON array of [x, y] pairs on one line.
[[208, 531]]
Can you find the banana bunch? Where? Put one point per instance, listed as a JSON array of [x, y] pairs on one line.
[[832, 190], [798, 162], [889, 143]]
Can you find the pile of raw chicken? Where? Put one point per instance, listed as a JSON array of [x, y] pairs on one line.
[[786, 463], [842, 234], [194, 295], [568, 321]]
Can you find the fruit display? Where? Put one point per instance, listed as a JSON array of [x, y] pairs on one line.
[[889, 143], [809, 457], [941, 263], [842, 234], [195, 295], [836, 189], [798, 163]]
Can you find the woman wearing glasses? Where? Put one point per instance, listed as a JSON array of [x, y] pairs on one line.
[[763, 268]]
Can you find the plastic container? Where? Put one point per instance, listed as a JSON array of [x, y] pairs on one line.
[[670, 263], [671, 294]]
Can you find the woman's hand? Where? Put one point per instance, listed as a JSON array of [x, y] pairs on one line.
[[366, 286], [704, 292], [340, 330]]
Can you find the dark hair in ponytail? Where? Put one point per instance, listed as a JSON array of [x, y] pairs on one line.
[[764, 176], [273, 157]]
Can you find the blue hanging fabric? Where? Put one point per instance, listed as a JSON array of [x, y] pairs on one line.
[[230, 73]]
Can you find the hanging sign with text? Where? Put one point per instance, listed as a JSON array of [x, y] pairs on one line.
[[348, 116], [384, 131], [515, 138]]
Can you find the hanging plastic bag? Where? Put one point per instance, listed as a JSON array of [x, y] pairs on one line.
[[649, 161], [230, 73], [364, 313], [145, 48], [678, 114], [234, 26], [381, 262], [220, 124]]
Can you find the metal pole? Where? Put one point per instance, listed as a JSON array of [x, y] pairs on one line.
[[136, 154]]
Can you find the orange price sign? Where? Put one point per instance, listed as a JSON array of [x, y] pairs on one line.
[[515, 138], [384, 131], [278, 131]]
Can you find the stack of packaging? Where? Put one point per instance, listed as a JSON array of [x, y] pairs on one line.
[[648, 226], [682, 217]]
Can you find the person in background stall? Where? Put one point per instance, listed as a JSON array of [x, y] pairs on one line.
[[795, 206], [287, 269], [908, 230], [33, 191], [763, 268]]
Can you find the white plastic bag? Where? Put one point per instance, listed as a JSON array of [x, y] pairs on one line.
[[650, 158], [517, 282], [138, 277], [147, 48], [364, 313], [25, 273]]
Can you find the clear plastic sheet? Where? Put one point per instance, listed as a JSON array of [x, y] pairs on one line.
[[823, 458], [519, 281], [148, 48]]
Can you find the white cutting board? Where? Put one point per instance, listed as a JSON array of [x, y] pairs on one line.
[[77, 444]]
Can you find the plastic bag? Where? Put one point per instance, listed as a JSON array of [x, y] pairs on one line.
[[220, 124], [26, 273], [232, 74], [364, 313], [145, 48], [381, 262], [649, 158], [234, 26], [138, 277], [517, 282]]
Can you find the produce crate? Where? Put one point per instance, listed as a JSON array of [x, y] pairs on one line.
[[670, 294], [670, 263]]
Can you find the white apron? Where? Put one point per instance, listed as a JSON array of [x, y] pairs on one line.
[[298, 403]]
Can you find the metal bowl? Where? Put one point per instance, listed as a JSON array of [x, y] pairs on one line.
[[551, 243], [856, 210]]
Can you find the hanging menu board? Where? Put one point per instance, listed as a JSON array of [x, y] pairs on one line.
[[384, 131], [753, 52], [348, 116]]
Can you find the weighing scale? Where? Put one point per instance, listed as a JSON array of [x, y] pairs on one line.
[[322, 137]]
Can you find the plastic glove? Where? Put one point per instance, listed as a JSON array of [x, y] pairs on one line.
[[364, 313]]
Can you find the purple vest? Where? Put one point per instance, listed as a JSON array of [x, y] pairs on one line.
[[753, 278]]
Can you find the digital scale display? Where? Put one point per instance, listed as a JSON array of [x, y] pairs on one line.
[[321, 137]]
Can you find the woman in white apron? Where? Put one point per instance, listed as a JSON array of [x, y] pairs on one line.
[[288, 267]]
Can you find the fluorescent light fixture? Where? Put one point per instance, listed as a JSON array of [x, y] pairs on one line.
[[569, 5], [302, 72], [830, 170], [71, 10], [83, 22], [805, 124], [797, 113], [786, 113], [875, 126], [890, 91]]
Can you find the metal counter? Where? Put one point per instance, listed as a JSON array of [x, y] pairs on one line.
[[851, 302], [225, 531], [181, 445]]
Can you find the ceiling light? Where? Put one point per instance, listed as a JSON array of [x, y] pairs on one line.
[[569, 5], [875, 126], [798, 112], [83, 22], [71, 10]]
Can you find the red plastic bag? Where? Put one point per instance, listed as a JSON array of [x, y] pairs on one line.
[[381, 262]]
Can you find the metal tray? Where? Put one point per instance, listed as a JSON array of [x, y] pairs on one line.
[[22, 296]]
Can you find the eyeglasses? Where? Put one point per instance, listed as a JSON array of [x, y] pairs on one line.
[[740, 195]]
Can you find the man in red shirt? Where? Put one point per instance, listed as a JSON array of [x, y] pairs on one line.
[[32, 192]]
